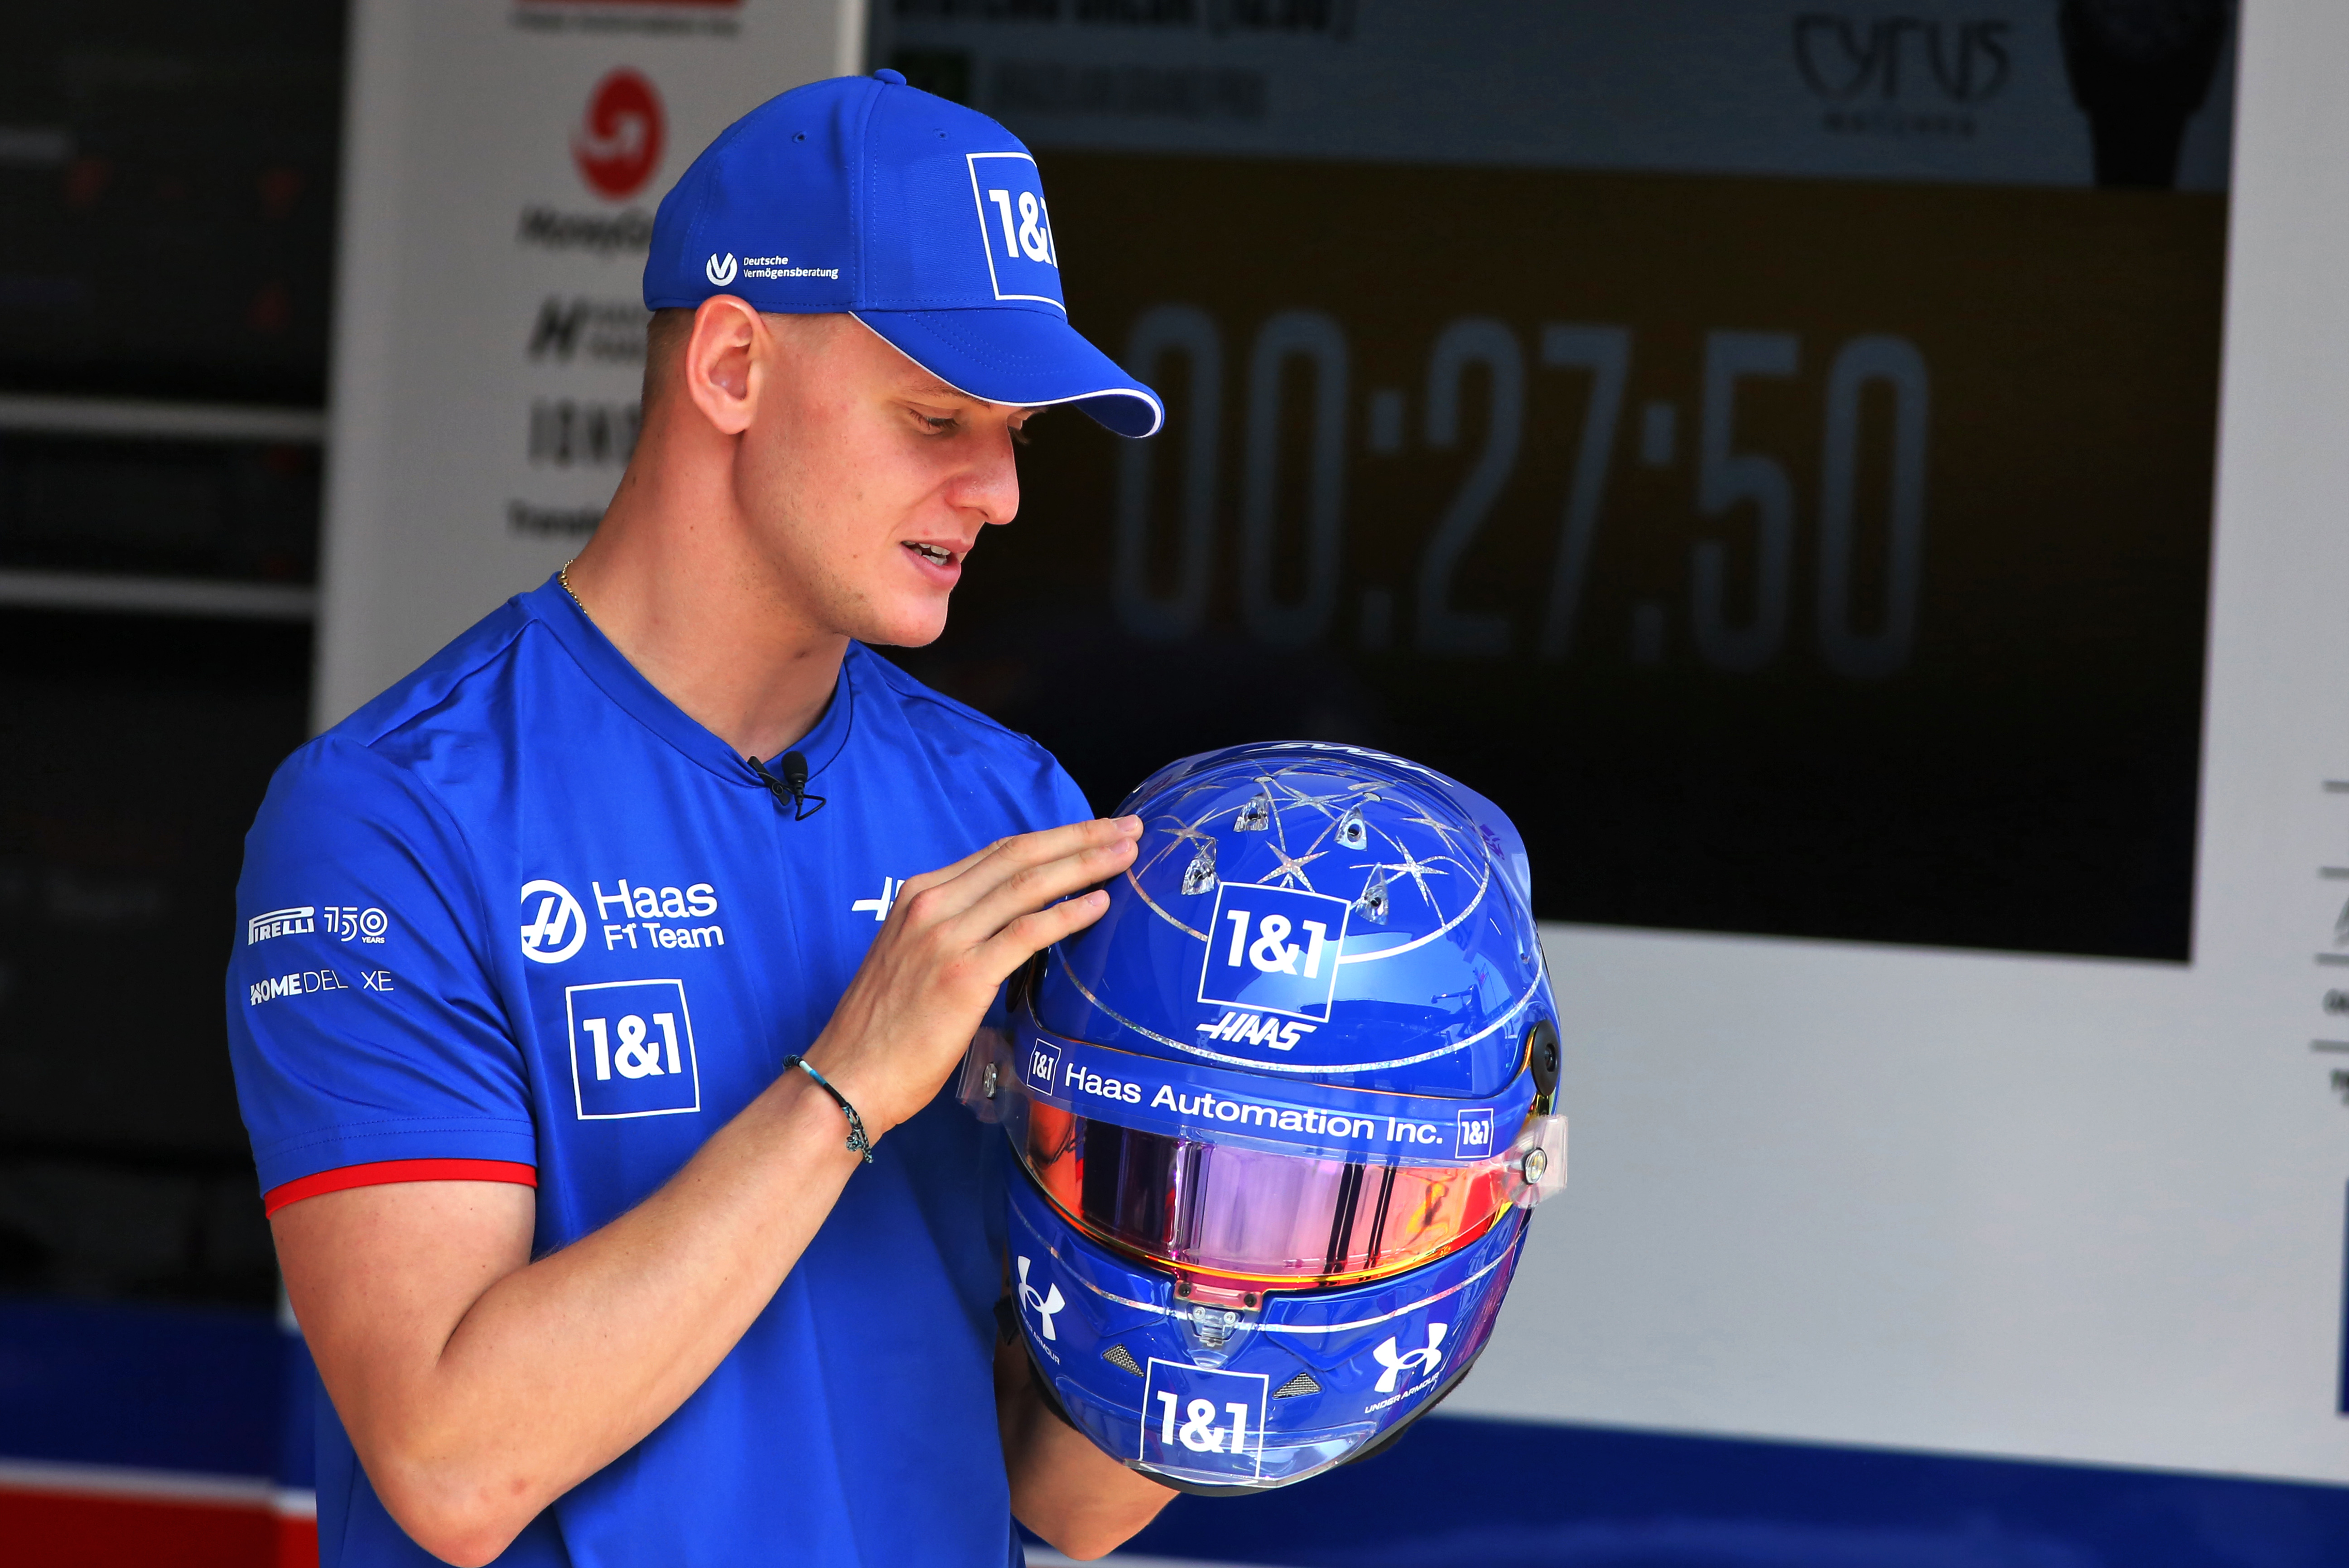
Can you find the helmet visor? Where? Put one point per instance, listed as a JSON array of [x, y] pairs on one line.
[[1250, 1216]]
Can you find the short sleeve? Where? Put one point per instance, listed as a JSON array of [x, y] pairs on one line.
[[1069, 801], [368, 1038]]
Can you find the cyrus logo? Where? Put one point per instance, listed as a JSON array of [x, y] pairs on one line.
[[560, 926], [1042, 1303], [720, 270], [1844, 57], [1425, 1360]]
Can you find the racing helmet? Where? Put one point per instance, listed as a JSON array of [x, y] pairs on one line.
[[1279, 1116]]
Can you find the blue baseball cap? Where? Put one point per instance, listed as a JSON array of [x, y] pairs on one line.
[[922, 219]]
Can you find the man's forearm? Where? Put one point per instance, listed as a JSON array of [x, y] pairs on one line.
[[531, 1376], [1062, 1487]]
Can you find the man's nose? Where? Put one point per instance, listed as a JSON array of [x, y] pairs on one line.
[[990, 486]]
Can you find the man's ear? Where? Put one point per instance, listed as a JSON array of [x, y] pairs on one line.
[[722, 359]]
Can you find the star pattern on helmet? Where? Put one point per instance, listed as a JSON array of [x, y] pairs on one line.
[[1179, 834], [1410, 866], [1443, 830], [1292, 866]]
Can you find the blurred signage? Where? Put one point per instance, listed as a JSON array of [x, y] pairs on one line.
[[504, 167]]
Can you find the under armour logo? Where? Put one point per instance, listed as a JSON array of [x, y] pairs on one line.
[[720, 270], [1425, 1360], [1044, 1304]]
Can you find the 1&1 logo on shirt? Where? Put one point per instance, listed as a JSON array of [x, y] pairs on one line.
[[632, 1049]]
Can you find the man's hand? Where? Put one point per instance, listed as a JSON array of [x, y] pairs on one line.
[[951, 940], [452, 1358]]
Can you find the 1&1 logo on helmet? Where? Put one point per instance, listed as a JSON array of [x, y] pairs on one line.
[[1274, 950]]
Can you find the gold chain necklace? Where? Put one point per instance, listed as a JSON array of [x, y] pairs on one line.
[[563, 576]]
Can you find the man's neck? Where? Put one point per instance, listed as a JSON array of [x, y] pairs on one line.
[[671, 579]]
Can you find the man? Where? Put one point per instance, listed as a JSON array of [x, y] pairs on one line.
[[590, 1041]]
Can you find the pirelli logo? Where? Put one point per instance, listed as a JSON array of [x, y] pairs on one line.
[[281, 923]]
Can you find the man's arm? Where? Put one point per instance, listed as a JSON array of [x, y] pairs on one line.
[[456, 1363], [1062, 1487]]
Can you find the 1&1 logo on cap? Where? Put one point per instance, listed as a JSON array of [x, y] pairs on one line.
[[1014, 227]]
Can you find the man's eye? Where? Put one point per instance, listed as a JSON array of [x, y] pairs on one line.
[[937, 426]]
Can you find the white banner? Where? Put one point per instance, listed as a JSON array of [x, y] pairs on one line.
[[501, 168]]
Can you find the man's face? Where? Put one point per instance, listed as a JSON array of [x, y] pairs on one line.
[[869, 480]]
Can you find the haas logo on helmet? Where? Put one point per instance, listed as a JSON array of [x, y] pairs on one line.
[[1045, 1303], [1427, 1359]]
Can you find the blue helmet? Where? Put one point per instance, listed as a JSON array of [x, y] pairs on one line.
[[1281, 1113]]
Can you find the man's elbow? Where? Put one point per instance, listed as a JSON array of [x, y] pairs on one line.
[[464, 1519]]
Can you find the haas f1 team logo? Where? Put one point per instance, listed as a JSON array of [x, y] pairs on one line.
[[557, 927], [1043, 1304], [617, 143], [1425, 1360]]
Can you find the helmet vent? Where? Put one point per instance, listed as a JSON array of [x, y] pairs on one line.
[[1117, 1355], [1301, 1384], [1256, 817], [1199, 876], [1373, 904], [1352, 831]]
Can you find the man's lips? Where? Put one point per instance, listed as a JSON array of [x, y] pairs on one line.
[[946, 558]]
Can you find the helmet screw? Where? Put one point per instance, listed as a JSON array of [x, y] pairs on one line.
[[1536, 1165], [1248, 1298], [1182, 1288]]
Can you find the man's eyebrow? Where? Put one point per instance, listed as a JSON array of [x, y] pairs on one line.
[[939, 392]]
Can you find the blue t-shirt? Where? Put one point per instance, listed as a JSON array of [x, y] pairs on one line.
[[522, 919]]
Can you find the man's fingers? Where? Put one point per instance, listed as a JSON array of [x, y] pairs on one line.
[[1034, 886], [1028, 935], [917, 882], [958, 888]]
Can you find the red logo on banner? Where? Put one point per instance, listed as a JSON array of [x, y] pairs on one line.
[[618, 143]]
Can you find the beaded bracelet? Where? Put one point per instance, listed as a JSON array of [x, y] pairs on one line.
[[858, 1143]]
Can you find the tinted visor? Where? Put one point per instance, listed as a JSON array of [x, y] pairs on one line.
[[1236, 1213]]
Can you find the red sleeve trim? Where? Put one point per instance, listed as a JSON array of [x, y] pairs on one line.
[[383, 1172]]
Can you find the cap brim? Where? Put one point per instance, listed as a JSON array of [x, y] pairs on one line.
[[1007, 355]]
